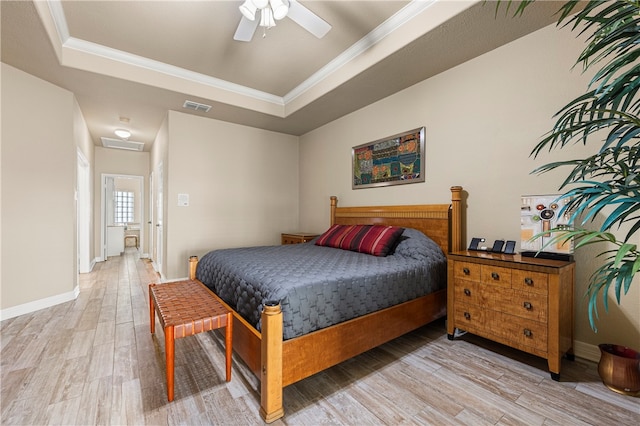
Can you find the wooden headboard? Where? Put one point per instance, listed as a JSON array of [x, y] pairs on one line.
[[440, 222]]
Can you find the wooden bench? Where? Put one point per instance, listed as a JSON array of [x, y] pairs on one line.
[[186, 308]]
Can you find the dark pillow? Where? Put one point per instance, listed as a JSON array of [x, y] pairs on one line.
[[377, 240], [415, 245]]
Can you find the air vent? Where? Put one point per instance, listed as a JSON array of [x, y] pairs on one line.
[[196, 106], [122, 144]]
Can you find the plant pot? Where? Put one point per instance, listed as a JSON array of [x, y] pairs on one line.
[[619, 369]]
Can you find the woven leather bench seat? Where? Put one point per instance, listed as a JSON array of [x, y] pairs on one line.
[[186, 308]]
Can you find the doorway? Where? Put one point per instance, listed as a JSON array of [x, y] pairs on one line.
[[83, 215], [114, 218], [157, 207]]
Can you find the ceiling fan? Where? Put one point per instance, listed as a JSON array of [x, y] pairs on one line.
[[265, 12]]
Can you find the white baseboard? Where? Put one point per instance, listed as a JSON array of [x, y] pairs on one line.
[[91, 265], [155, 268], [36, 305], [586, 351]]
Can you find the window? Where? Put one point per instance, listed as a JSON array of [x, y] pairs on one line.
[[123, 207]]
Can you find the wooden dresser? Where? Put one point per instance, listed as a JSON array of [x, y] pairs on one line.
[[297, 237], [522, 302]]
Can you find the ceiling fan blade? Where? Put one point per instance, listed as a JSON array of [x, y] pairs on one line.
[[307, 19], [246, 29]]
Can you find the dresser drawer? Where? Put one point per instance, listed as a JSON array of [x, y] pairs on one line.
[[468, 292], [523, 332], [532, 306], [530, 281], [495, 275], [523, 304], [470, 318], [466, 271], [518, 332]]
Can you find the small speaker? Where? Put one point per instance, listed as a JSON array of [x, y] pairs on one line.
[[510, 247], [497, 246], [474, 243]]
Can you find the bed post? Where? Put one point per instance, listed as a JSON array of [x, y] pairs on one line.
[[334, 204], [193, 264], [456, 219], [271, 369]]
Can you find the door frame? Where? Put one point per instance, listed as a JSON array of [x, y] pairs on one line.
[[157, 227], [103, 203], [83, 214]]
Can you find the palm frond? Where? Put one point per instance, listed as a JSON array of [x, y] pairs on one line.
[[619, 268], [607, 182]]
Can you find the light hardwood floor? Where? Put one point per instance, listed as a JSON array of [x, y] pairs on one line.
[[94, 361]]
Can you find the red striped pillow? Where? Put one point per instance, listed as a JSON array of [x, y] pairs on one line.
[[377, 240]]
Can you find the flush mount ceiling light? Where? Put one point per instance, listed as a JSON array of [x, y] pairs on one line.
[[122, 133], [272, 10]]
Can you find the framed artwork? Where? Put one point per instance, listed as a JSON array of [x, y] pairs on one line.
[[393, 160], [541, 213]]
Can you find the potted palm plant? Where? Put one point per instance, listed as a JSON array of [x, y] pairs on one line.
[[608, 182]]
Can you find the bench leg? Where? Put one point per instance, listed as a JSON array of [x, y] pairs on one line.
[[170, 351], [227, 344], [152, 313]]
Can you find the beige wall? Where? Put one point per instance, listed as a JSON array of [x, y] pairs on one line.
[[242, 184], [38, 181], [482, 119], [119, 162]]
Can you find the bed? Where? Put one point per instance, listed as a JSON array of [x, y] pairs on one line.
[[280, 354]]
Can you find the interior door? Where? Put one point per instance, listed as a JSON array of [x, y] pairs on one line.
[[159, 216], [150, 222], [109, 188], [83, 215]]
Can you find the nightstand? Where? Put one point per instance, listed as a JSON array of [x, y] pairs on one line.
[[297, 237], [522, 302]]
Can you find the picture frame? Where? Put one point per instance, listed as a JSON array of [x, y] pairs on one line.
[[394, 160]]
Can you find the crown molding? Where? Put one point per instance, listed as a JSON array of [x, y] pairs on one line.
[[396, 21], [89, 56], [141, 62]]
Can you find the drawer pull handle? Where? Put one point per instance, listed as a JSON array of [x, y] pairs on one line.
[[528, 332], [466, 271], [467, 315], [528, 281], [495, 275], [467, 292], [528, 306]]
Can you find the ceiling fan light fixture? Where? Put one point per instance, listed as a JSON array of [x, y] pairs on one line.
[[248, 9], [260, 4], [122, 133], [280, 8], [266, 19]]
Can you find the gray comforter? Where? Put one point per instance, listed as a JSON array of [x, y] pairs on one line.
[[321, 286]]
